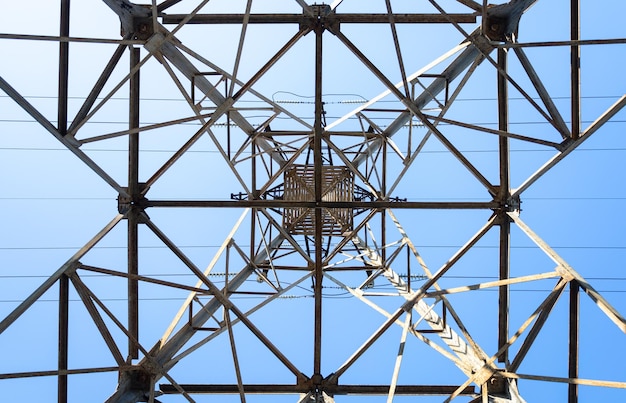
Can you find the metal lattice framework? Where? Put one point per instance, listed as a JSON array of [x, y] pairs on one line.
[[311, 197]]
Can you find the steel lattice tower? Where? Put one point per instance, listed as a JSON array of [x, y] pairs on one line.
[[310, 182]]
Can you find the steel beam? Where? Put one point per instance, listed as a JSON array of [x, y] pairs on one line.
[[575, 67], [405, 390], [376, 204], [303, 19], [574, 308], [133, 216], [318, 182], [503, 196], [63, 341]]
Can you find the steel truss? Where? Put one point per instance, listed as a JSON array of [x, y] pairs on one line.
[[322, 206]]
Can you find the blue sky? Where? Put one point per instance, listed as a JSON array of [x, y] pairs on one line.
[[54, 204]]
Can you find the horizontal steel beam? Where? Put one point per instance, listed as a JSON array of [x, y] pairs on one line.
[[324, 204], [407, 390], [301, 18]]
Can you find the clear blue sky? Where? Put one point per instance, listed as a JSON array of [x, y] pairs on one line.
[[54, 204]]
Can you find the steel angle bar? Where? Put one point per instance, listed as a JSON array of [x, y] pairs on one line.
[[396, 42], [573, 347], [143, 129], [581, 42], [396, 370], [575, 68], [569, 272], [66, 268], [341, 18], [62, 115], [492, 284], [233, 348], [69, 39], [501, 133], [571, 381], [77, 371], [244, 27], [141, 278]]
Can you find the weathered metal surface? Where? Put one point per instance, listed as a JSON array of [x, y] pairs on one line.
[[321, 214]]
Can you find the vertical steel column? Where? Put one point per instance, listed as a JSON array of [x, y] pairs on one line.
[[574, 307], [64, 31], [63, 337], [63, 342], [133, 215], [503, 195], [317, 158], [575, 61]]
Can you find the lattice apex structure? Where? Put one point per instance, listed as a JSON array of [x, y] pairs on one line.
[[317, 159]]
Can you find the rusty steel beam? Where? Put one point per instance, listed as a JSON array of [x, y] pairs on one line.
[[357, 18], [133, 216], [376, 204], [63, 342], [318, 181], [406, 390], [574, 308], [575, 67], [64, 288], [503, 196]]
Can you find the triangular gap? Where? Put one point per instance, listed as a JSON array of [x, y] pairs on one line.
[[94, 325], [279, 242], [534, 97], [31, 345], [598, 91], [548, 354], [20, 337], [38, 86], [201, 158], [603, 304], [599, 337], [437, 174], [250, 350]]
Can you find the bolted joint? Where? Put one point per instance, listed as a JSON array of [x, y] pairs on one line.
[[321, 17], [513, 204], [496, 385], [136, 381], [136, 202], [502, 21]]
